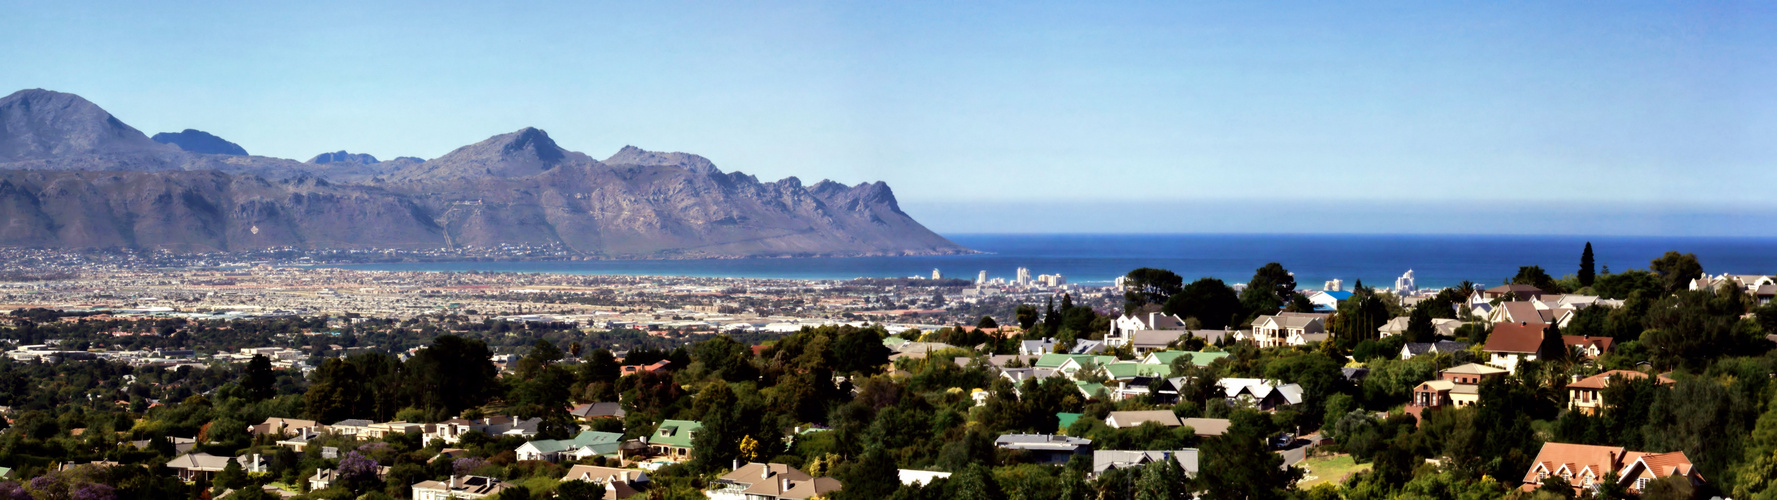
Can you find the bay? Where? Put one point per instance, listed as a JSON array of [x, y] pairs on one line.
[[1096, 259]]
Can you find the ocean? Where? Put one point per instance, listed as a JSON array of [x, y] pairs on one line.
[[1436, 260]]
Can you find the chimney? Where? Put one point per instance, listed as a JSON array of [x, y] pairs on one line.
[[765, 472], [785, 484], [453, 482], [625, 477], [736, 464]]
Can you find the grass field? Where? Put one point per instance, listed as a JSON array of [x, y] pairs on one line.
[[1328, 469]]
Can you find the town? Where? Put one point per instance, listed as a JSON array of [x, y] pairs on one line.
[[169, 376]]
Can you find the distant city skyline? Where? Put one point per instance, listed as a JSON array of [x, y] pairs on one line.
[[1510, 118]]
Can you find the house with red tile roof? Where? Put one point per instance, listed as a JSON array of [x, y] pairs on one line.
[[1587, 395], [1514, 343], [1585, 466], [1588, 346]]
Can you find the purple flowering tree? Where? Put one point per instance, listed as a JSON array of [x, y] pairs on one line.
[[94, 491], [356, 470], [466, 465], [12, 490]]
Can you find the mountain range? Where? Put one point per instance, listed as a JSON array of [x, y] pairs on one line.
[[73, 176]]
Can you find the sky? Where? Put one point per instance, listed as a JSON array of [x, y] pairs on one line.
[[1410, 117]]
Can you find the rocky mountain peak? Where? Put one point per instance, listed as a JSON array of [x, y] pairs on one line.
[[198, 141], [343, 157], [37, 124], [634, 156]]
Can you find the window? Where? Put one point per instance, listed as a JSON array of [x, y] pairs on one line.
[[1641, 484]]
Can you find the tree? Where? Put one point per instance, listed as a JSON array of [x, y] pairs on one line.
[[1557, 485], [1553, 348], [1269, 290], [1537, 277], [1587, 274], [1239, 466], [987, 322], [1027, 316], [600, 366], [1209, 300], [872, 476], [1676, 270], [453, 374], [335, 392], [1419, 326], [1162, 480], [1147, 285], [258, 379]]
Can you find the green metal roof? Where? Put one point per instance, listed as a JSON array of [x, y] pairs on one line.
[[675, 433], [1197, 358], [1067, 419]]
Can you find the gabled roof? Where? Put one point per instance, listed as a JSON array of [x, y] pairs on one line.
[[1124, 419], [1128, 370], [1475, 369], [1261, 389], [1516, 288], [1602, 344], [1515, 338], [675, 433], [1103, 460], [1041, 442], [1207, 426], [600, 409], [1197, 358], [1659, 465], [1601, 380]]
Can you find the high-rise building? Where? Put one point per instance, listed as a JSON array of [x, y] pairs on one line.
[[1404, 284], [1023, 276], [1335, 285], [937, 275], [981, 278]]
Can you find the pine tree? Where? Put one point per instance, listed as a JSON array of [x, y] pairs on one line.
[[1587, 274]]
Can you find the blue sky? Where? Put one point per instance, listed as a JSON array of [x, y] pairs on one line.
[[1545, 117]]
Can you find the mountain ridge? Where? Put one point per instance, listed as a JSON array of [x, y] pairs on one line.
[[91, 183]]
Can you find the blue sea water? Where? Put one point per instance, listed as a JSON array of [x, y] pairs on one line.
[[1437, 260]]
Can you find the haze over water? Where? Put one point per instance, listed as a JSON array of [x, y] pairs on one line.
[[1437, 260]]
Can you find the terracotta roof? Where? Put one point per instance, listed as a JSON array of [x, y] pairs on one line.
[[1574, 461], [776, 481], [1661, 464], [1516, 338], [1602, 343], [1600, 380], [1475, 369]]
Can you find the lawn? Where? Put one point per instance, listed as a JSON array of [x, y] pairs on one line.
[[1328, 469]]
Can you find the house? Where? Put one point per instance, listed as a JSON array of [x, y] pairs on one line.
[[1749, 282], [1287, 328], [1145, 341], [200, 466], [653, 367], [1206, 427], [1584, 467], [914, 477], [1086, 346], [1517, 291], [1036, 347], [1124, 327], [1054, 449], [1443, 327], [1514, 343], [1067, 364], [452, 431], [1261, 394], [618, 483], [756, 481], [385, 429], [1471, 373], [350, 427], [585, 445], [1134, 418], [300, 441], [1103, 460], [282, 427], [1587, 395], [1327, 301], [673, 439], [324, 478], [1588, 346], [1411, 349], [459, 487], [1529, 312], [593, 411], [1195, 358]]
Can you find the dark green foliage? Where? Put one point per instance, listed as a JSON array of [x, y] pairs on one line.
[[1419, 326], [1270, 289], [1027, 316], [1238, 465], [1537, 277], [1149, 286], [1621, 285], [1676, 270], [258, 379], [1209, 300], [1587, 273]]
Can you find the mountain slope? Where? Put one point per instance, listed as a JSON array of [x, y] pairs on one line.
[[73, 176], [198, 141]]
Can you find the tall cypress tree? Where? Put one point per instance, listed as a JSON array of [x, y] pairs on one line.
[[1586, 271]]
